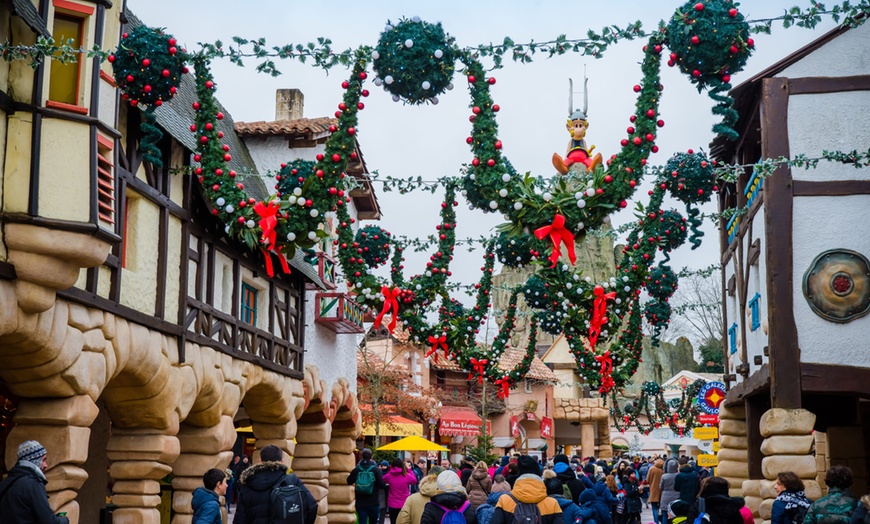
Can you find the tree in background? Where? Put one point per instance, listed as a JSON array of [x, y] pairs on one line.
[[712, 357], [697, 307]]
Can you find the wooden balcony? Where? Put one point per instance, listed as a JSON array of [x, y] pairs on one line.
[[338, 312]]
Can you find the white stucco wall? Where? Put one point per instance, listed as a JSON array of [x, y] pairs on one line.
[[270, 152], [827, 121], [845, 55], [757, 283], [820, 224]]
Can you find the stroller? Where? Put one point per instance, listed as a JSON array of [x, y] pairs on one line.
[[678, 512]]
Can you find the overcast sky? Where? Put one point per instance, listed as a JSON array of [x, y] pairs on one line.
[[429, 141]]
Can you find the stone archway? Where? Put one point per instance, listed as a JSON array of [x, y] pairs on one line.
[[311, 463], [346, 428]]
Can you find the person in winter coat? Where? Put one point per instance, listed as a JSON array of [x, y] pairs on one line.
[[452, 497], [653, 478], [790, 505], [384, 466], [666, 485], [412, 511], [485, 511], [861, 515], [22, 494], [465, 468], [512, 473], [368, 506], [500, 485], [686, 482], [528, 489], [633, 502], [603, 494], [400, 481], [613, 489], [566, 475], [722, 508], [206, 501], [570, 512], [237, 467], [255, 489], [478, 485], [601, 509], [837, 506]]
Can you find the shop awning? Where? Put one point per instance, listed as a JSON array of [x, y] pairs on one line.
[[396, 427], [459, 422]]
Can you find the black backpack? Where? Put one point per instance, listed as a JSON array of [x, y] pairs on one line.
[[525, 513], [288, 504]]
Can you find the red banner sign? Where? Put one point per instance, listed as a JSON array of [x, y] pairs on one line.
[[515, 426], [546, 428], [530, 416], [712, 420]]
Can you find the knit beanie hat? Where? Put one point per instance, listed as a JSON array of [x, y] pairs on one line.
[[448, 482], [31, 451], [528, 464], [561, 458]]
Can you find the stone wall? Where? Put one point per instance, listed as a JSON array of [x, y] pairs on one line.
[[733, 458], [589, 412]]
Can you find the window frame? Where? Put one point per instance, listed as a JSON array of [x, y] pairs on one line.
[[732, 339], [753, 308], [244, 309], [79, 14]]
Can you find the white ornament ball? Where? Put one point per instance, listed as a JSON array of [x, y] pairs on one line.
[[301, 201], [297, 191], [425, 84], [375, 55], [434, 100], [438, 53], [388, 79], [606, 220], [220, 201], [518, 205], [312, 235], [590, 191], [450, 86], [464, 192], [395, 98], [388, 27], [502, 192], [314, 213], [229, 209], [581, 203], [251, 224], [379, 82], [548, 197], [291, 236], [493, 205], [505, 178], [291, 200], [409, 43], [415, 19]]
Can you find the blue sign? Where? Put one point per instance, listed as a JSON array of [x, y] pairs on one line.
[[711, 396]]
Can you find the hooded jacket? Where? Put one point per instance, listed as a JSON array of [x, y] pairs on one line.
[[669, 494], [567, 477], [485, 511], [478, 487], [571, 513], [528, 489], [434, 510], [687, 483], [653, 478], [255, 493], [372, 499], [788, 506], [206, 507], [400, 487], [602, 492], [721, 508], [633, 503], [23, 498], [414, 506], [600, 509]]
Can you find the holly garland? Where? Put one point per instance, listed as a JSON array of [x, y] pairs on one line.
[[679, 414], [373, 245], [293, 175]]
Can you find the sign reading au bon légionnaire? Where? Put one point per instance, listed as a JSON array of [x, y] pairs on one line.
[[711, 396]]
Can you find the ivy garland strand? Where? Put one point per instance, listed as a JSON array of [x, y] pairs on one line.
[[679, 414]]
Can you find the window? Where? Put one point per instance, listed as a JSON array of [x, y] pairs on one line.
[[105, 181], [64, 84], [753, 307], [249, 304], [732, 338], [527, 386]]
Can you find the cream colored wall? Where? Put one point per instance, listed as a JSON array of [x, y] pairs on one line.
[[138, 278], [64, 170], [87, 65], [16, 187], [262, 287], [173, 270], [569, 383]]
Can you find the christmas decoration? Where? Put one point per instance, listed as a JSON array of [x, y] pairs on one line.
[[518, 251], [414, 60], [293, 175], [373, 245], [679, 414], [690, 178], [661, 282]]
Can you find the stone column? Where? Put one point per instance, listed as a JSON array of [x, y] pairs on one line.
[[140, 458], [605, 450], [587, 438], [63, 427], [733, 458], [346, 427], [787, 446], [823, 459], [201, 450], [311, 463]]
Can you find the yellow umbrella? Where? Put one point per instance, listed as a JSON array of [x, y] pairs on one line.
[[412, 443]]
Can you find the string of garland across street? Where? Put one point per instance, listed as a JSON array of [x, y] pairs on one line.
[[416, 62]]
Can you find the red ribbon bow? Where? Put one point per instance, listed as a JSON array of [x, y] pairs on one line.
[[268, 221], [606, 362], [479, 368], [437, 342], [505, 387], [391, 303], [267, 257], [558, 234], [599, 310]]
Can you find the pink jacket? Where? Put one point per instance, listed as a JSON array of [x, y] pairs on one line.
[[400, 487]]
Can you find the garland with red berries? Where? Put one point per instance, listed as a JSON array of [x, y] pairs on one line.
[[679, 414]]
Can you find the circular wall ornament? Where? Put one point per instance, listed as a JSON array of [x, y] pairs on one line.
[[837, 285]]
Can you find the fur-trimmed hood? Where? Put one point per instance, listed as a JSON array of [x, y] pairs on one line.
[[263, 475], [865, 501]]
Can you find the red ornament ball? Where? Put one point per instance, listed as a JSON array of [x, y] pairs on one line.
[[491, 80], [495, 108], [636, 89], [345, 84], [471, 79], [696, 40], [699, 6], [146, 62]]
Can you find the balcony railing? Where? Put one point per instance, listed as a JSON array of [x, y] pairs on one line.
[[338, 312]]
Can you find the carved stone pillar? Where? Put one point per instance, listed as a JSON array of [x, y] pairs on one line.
[[63, 427], [311, 463], [201, 450], [605, 449], [346, 427], [140, 458], [587, 438]]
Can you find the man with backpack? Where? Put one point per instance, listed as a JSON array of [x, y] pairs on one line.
[[269, 495], [368, 481], [569, 480], [527, 503]]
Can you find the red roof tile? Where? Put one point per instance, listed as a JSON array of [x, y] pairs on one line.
[[509, 359], [305, 127]]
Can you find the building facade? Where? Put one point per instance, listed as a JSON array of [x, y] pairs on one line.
[[795, 272]]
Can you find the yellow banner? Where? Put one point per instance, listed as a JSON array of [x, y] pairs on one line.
[[708, 461], [705, 433], [716, 446]]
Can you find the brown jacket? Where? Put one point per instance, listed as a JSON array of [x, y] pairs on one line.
[[478, 487], [654, 477]]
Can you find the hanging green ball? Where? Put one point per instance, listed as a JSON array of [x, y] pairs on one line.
[[373, 245], [519, 251], [690, 177], [551, 321], [661, 282], [535, 293], [672, 228], [148, 65], [414, 60], [293, 175]]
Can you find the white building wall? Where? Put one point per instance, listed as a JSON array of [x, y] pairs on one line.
[[845, 55], [757, 283]]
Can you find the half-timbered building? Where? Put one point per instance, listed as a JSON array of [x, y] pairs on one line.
[[135, 336], [795, 274]]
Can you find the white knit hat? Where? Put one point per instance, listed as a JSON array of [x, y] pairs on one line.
[[448, 482], [31, 451]]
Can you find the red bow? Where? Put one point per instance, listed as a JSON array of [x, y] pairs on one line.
[[606, 362], [479, 368], [599, 309], [391, 303], [437, 342], [558, 234], [268, 221], [267, 257], [505, 387]]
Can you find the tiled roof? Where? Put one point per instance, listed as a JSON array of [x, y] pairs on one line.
[[509, 359], [302, 127], [27, 11]]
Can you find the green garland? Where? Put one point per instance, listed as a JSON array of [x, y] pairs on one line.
[[518, 251], [679, 414], [293, 175], [373, 245]]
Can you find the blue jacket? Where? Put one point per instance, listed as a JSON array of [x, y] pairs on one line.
[[571, 512], [589, 501], [206, 507], [603, 493]]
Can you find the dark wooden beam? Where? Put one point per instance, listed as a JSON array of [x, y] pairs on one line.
[[831, 187], [823, 378], [162, 262], [756, 406], [755, 384], [62, 225], [825, 84], [785, 384]]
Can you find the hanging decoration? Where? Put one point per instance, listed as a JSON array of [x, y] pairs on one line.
[[293, 176], [690, 178], [372, 244], [679, 414]]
